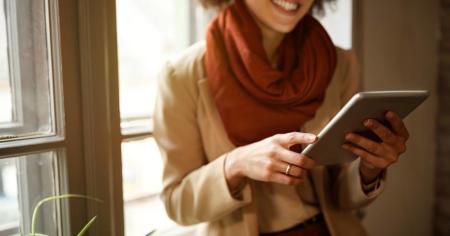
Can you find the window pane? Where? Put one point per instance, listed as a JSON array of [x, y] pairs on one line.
[[142, 168], [338, 22], [148, 32], [24, 181], [5, 89], [142, 174], [26, 102]]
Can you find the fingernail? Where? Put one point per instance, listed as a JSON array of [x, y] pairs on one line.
[[312, 137], [390, 114], [367, 122], [348, 136]]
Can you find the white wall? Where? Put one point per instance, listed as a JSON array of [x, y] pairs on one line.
[[399, 51]]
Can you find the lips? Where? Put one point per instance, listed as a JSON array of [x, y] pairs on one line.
[[287, 6]]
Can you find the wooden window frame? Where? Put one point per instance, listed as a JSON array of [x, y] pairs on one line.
[[89, 133]]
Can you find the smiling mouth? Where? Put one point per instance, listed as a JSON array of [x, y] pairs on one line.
[[286, 5]]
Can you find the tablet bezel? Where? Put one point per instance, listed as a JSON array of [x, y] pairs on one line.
[[374, 104]]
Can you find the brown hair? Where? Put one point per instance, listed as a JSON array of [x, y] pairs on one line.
[[318, 5]]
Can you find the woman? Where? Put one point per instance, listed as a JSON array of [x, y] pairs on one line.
[[228, 120]]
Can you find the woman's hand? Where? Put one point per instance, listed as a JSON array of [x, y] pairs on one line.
[[268, 160], [376, 157]]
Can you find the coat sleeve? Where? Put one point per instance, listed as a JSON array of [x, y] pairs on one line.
[[348, 186], [194, 190]]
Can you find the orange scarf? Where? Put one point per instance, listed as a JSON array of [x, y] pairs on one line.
[[254, 100]]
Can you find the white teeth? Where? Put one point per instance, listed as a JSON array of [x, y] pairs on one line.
[[288, 6]]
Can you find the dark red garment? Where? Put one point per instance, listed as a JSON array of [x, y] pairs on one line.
[[319, 229], [254, 100]]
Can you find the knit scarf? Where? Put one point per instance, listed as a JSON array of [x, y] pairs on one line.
[[254, 99]]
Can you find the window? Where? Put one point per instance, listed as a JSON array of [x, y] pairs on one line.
[[24, 181], [5, 86], [28, 106], [142, 170], [30, 114], [149, 32]]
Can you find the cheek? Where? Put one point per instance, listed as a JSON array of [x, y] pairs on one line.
[[256, 6], [307, 3], [260, 8]]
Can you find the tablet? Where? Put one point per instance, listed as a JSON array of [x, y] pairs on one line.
[[328, 149]]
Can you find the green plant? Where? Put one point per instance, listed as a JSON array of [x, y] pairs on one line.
[[151, 232], [58, 197]]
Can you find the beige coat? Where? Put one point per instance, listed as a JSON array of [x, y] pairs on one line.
[[193, 142]]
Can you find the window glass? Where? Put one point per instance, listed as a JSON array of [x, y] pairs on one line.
[[142, 182], [24, 181], [141, 168], [148, 32], [26, 86], [5, 89]]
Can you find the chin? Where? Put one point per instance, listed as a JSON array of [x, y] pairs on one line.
[[283, 28]]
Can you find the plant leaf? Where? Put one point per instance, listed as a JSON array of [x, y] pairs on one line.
[[86, 227], [151, 232], [52, 198]]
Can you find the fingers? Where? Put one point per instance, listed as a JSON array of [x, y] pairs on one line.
[[289, 139], [367, 157], [381, 131], [282, 167], [279, 164], [294, 158], [395, 141], [380, 150], [275, 172], [380, 155], [365, 143], [285, 179], [294, 171], [397, 125]]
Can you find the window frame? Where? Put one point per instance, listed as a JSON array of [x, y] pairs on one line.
[[24, 120], [13, 67], [11, 147], [68, 145], [101, 140]]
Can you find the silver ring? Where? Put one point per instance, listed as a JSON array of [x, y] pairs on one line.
[[288, 168]]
